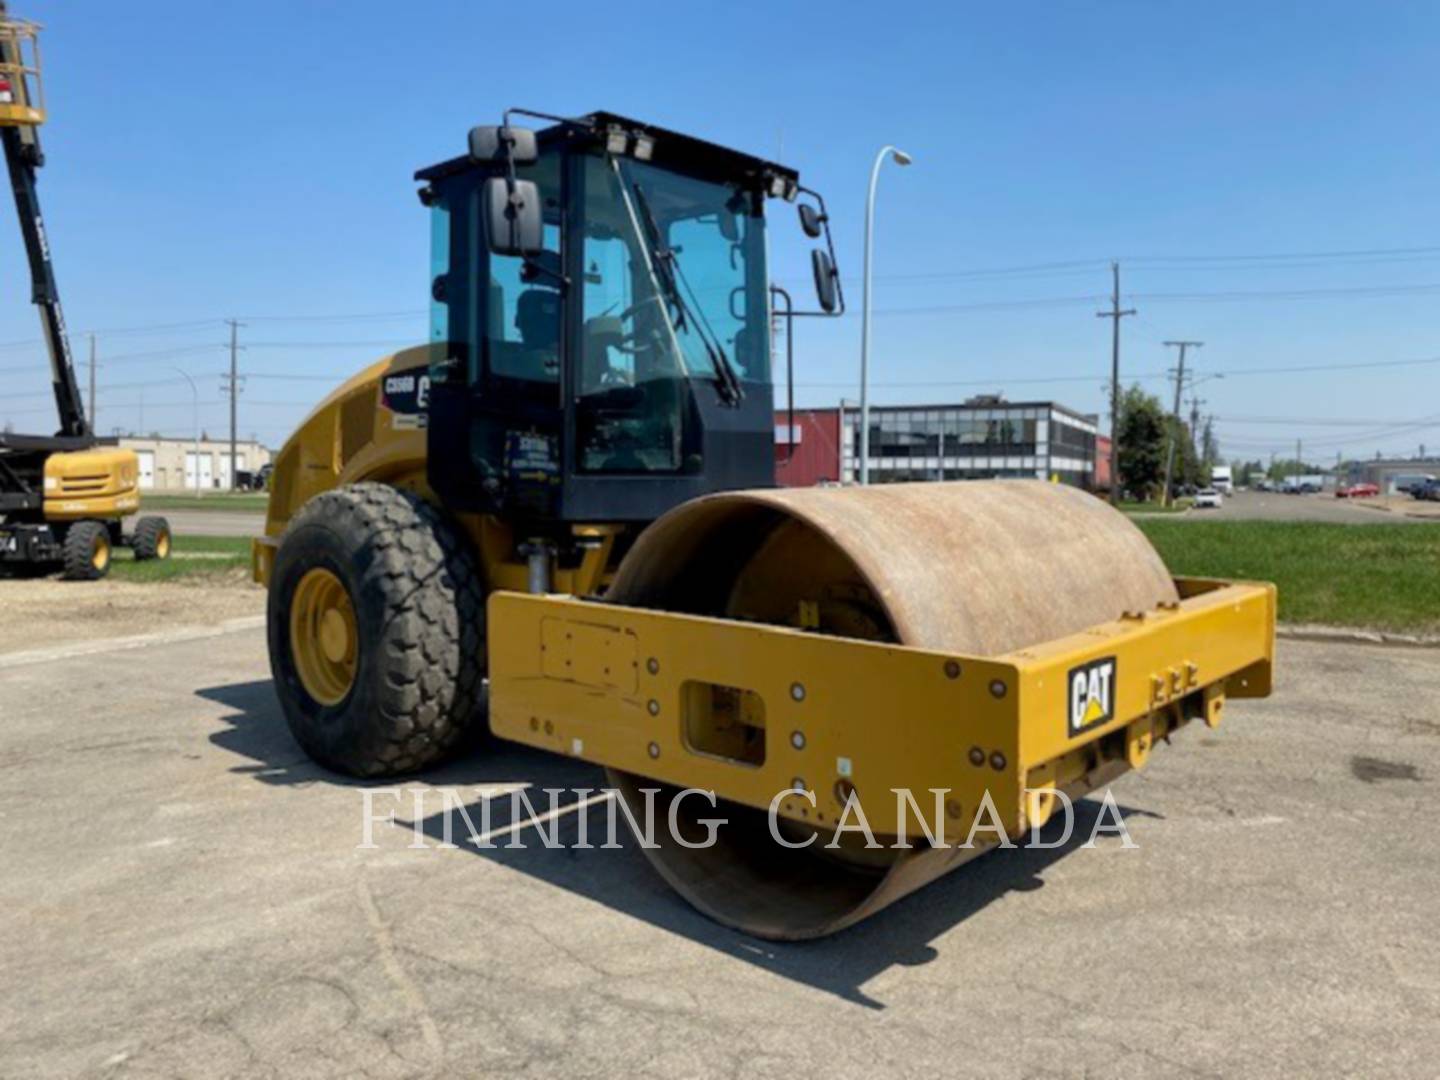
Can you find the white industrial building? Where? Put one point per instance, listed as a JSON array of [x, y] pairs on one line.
[[168, 464], [984, 437]]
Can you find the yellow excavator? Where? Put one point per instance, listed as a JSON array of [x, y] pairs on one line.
[[63, 497], [568, 493]]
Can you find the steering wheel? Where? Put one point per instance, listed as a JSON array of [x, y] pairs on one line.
[[631, 344]]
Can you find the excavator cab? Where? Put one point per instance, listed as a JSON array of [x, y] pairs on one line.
[[601, 319]]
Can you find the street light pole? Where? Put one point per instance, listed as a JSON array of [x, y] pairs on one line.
[[901, 158], [195, 395]]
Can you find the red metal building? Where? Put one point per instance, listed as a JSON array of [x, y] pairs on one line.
[[1102, 463], [810, 454]]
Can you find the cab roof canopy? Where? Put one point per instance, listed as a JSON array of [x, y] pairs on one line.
[[670, 150]]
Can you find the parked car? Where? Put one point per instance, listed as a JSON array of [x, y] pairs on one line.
[[1208, 499], [1357, 491], [1428, 491]]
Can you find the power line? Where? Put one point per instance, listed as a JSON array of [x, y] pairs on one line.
[[1146, 376], [379, 343], [1237, 295], [367, 316], [1364, 365], [1362, 252], [1263, 260], [1311, 421], [158, 354], [1230, 296], [334, 379], [1387, 432]]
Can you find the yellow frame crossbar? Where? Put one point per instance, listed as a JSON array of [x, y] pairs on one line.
[[617, 686]]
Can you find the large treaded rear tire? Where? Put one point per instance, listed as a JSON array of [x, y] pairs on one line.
[[87, 551], [419, 611]]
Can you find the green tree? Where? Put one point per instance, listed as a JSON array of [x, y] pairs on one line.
[[1141, 432], [1290, 467], [1209, 445], [1247, 472]]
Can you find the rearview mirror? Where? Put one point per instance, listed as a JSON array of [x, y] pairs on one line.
[[810, 220], [487, 144], [824, 279], [513, 222]]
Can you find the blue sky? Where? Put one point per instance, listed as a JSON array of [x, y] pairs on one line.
[[254, 160]]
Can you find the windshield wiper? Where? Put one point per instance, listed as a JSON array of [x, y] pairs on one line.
[[671, 276]]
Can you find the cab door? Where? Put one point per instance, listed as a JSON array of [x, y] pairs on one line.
[[497, 332]]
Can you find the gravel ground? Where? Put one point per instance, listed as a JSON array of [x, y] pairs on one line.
[[46, 611]]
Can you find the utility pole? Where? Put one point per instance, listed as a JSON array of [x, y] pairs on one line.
[[1116, 315], [234, 395], [92, 382], [1175, 417], [1196, 436], [1298, 467]]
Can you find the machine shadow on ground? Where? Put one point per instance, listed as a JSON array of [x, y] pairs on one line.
[[622, 879]]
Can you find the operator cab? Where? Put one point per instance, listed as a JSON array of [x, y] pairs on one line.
[[600, 328]]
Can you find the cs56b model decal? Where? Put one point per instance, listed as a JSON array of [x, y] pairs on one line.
[[1092, 694], [407, 395]]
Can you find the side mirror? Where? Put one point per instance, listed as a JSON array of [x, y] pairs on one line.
[[824, 279], [811, 221], [513, 223], [487, 144]]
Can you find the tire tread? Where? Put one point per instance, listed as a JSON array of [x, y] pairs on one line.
[[414, 563]]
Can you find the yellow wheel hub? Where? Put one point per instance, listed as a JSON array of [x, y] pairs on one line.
[[100, 553], [162, 546], [323, 636]]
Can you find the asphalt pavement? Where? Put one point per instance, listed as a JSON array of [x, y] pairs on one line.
[[184, 894], [214, 522], [1272, 506]]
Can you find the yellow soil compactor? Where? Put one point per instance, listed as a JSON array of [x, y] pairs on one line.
[[63, 497], [569, 492]]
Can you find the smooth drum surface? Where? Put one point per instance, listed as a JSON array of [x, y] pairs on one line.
[[980, 567]]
